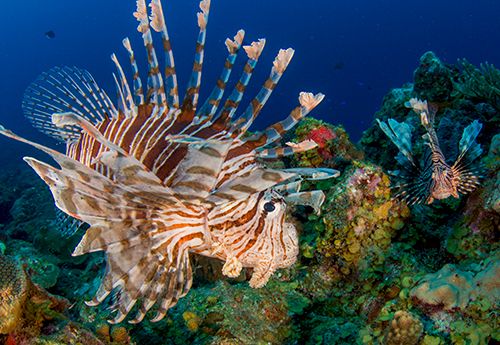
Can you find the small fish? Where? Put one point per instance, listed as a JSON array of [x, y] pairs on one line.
[[338, 65], [157, 177], [434, 179], [50, 34]]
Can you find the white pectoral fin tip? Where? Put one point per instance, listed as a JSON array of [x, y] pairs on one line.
[[309, 100], [255, 49], [283, 59]]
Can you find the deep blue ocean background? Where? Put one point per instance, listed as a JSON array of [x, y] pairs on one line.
[[353, 51]]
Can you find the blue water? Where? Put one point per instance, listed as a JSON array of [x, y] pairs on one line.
[[353, 51]]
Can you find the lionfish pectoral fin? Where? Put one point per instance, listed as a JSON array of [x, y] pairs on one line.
[[241, 187], [400, 135], [288, 150], [308, 101], [196, 175], [314, 174], [145, 263], [314, 198], [469, 148], [261, 274]]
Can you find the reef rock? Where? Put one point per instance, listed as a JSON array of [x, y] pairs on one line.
[[451, 289]]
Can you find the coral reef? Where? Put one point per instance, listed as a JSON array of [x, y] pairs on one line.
[[371, 270], [359, 218]]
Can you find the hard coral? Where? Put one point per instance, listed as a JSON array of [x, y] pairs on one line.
[[404, 329], [13, 287]]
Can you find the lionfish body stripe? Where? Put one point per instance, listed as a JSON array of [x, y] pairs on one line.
[[156, 179], [435, 179]]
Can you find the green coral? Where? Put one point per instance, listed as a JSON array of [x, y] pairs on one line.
[[480, 84]]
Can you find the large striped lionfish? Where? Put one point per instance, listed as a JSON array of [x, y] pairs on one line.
[[434, 179], [157, 177]]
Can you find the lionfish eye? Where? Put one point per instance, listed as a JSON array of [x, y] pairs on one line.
[[269, 206]]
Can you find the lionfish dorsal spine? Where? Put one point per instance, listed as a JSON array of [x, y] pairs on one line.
[[254, 108], [193, 89], [211, 104], [159, 24], [138, 90], [226, 113], [155, 92]]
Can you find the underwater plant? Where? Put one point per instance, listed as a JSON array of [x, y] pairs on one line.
[[157, 177], [434, 178]]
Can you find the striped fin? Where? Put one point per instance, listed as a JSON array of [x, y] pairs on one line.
[[280, 64], [314, 198], [212, 103], [129, 107], [196, 175], [155, 91], [241, 187], [138, 91], [159, 25], [314, 174], [253, 52], [190, 101], [66, 225], [62, 90], [147, 247], [468, 145], [400, 135], [307, 100], [290, 149]]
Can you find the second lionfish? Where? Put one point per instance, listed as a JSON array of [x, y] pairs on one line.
[[434, 179], [158, 178]]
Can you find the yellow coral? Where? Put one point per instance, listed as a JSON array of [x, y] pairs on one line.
[[191, 320], [120, 335]]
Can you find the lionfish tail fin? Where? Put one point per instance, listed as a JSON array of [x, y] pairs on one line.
[[400, 135], [65, 89], [192, 93]]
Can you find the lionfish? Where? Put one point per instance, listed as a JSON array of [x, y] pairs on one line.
[[434, 179], [157, 178]]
